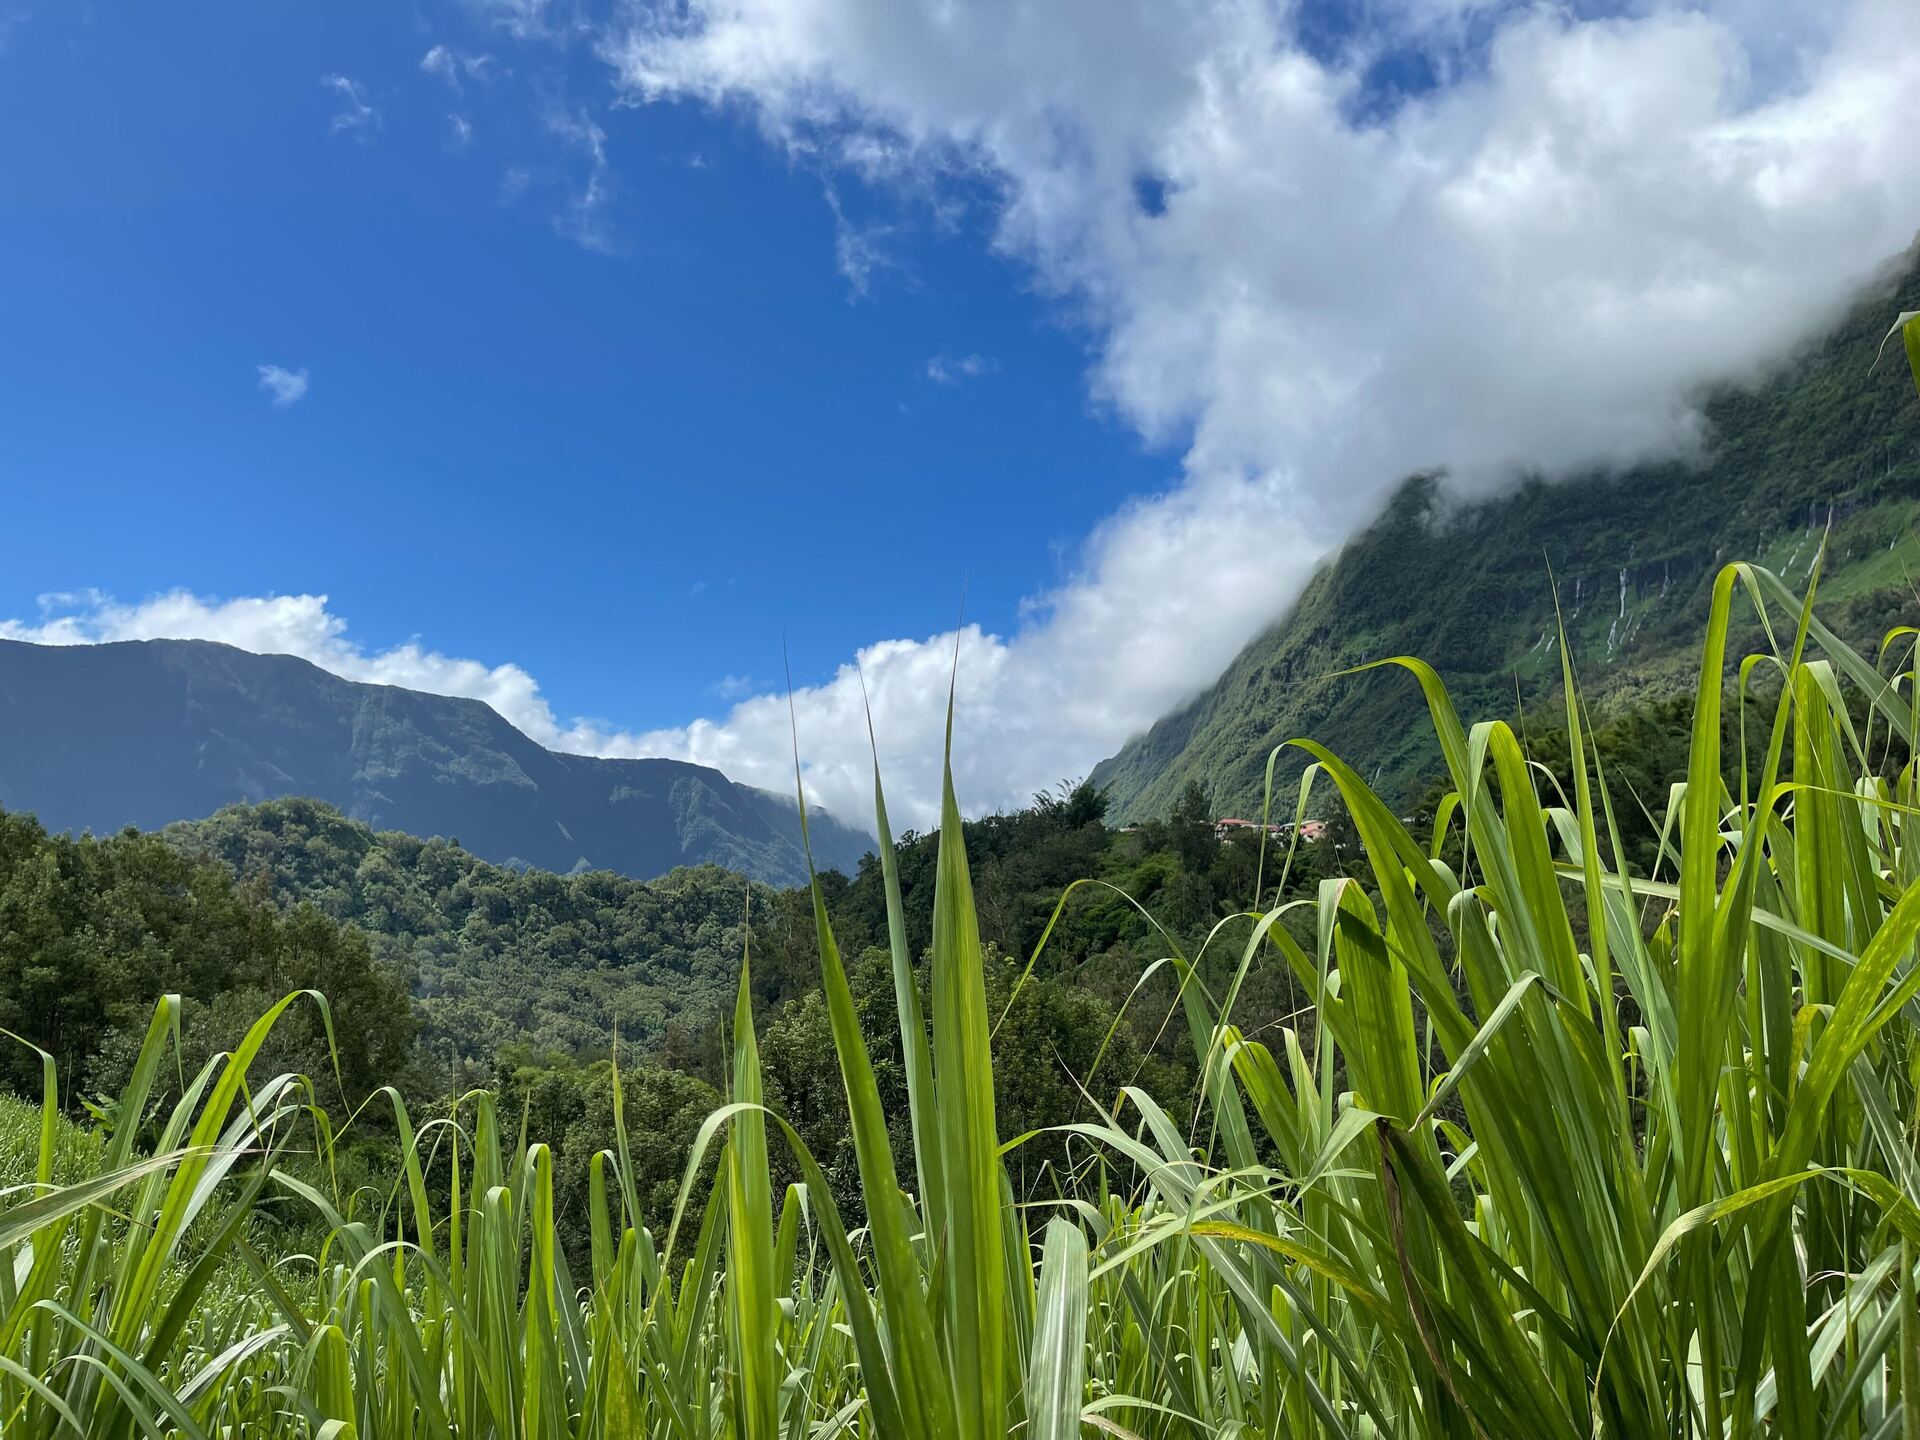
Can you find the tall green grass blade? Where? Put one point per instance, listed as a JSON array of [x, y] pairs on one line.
[[1056, 1370], [750, 1270], [976, 1300]]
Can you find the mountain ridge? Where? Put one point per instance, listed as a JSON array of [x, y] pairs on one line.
[[149, 732]]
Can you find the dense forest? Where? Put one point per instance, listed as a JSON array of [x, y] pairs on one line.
[[524, 979], [93, 931]]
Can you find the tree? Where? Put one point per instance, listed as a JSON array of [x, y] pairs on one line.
[[1190, 827]]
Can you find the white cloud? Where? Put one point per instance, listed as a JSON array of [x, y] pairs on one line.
[[1310, 286], [440, 61], [522, 19], [951, 370], [1536, 264], [459, 130], [584, 220], [356, 115], [286, 387], [454, 66], [733, 687], [1171, 576], [860, 250]]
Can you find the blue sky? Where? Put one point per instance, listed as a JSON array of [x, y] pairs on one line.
[[580, 356], [637, 460]]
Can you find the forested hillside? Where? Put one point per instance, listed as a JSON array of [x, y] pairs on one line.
[[523, 978], [148, 732], [552, 964], [1821, 448], [499, 954]]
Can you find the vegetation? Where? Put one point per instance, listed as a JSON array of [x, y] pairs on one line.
[[1820, 450], [1560, 1147], [92, 932], [500, 955], [521, 979]]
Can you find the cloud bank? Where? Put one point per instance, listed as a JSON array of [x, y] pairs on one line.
[[1298, 269]]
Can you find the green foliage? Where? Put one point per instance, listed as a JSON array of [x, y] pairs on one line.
[[94, 931], [1055, 1042], [570, 1106], [76, 1149], [514, 964], [523, 978]]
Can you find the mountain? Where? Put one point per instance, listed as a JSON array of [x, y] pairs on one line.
[[148, 732], [1464, 584]]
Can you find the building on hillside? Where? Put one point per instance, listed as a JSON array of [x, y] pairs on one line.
[[1227, 829], [1230, 827]]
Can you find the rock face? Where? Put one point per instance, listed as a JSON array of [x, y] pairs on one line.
[[144, 733], [1820, 450]]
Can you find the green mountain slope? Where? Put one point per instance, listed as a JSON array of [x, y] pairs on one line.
[[148, 732], [1465, 585]]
